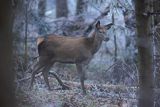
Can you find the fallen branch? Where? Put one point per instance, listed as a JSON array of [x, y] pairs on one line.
[[103, 86], [27, 78], [89, 86]]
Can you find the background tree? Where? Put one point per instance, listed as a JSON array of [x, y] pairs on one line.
[[156, 8], [145, 55], [81, 8], [156, 47], [26, 36], [61, 8], [41, 14], [156, 19]]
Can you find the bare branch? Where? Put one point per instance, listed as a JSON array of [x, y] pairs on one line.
[[90, 26]]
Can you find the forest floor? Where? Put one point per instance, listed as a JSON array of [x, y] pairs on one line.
[[98, 95]]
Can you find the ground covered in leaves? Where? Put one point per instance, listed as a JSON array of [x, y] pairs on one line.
[[98, 95]]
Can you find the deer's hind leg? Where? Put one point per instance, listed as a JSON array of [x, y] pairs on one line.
[[45, 76], [45, 72], [41, 64]]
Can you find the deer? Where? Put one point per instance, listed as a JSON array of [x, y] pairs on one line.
[[71, 50]]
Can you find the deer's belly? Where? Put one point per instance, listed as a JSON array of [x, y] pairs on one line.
[[71, 58]]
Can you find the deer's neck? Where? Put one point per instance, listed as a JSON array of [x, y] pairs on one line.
[[97, 41]]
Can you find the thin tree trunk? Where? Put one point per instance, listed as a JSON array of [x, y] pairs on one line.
[[41, 13], [41, 8], [115, 70], [26, 34], [115, 46], [146, 98], [61, 8], [156, 8], [81, 8]]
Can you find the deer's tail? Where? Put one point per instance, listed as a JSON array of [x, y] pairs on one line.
[[40, 42]]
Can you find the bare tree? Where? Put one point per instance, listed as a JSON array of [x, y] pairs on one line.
[[41, 8], [81, 8], [26, 35], [156, 8], [115, 74], [41, 14], [61, 8], [145, 55]]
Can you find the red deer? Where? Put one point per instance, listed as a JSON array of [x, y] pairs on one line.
[[74, 50]]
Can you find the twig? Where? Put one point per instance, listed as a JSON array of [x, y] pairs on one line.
[[111, 66], [89, 28], [27, 78]]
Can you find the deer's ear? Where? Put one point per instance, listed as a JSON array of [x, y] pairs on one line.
[[98, 24]]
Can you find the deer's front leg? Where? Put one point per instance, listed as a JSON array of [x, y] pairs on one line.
[[82, 76], [64, 87]]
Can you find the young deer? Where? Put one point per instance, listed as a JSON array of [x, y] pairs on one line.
[[75, 50]]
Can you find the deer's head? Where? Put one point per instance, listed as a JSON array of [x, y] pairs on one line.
[[101, 31]]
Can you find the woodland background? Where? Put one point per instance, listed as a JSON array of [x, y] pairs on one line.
[[123, 73]]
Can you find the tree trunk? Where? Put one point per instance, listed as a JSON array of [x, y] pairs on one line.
[[115, 50], [81, 8], [156, 36], [145, 56], [156, 8], [41, 13], [26, 34], [115, 70], [41, 8], [61, 8], [7, 73]]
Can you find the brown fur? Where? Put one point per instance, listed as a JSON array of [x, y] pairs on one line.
[[67, 49]]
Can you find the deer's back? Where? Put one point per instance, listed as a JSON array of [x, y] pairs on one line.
[[66, 49]]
